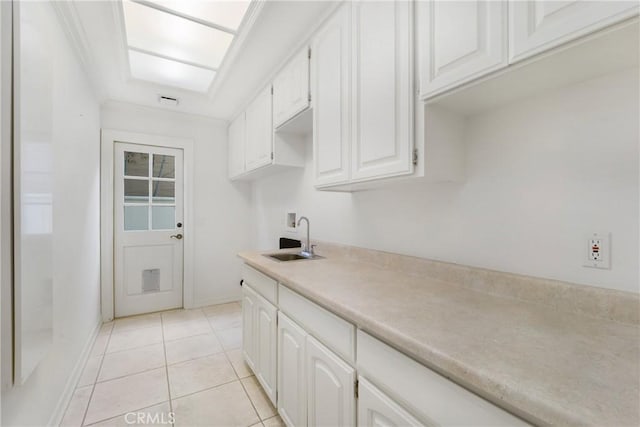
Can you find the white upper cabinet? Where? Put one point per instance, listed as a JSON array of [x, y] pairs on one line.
[[291, 93], [236, 135], [539, 25], [460, 41], [330, 388], [382, 79], [330, 67], [259, 131]]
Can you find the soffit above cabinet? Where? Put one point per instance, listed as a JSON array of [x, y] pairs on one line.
[[212, 55]]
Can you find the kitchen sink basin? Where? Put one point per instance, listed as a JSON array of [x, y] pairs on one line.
[[292, 257]]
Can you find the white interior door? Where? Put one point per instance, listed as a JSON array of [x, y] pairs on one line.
[[148, 222]]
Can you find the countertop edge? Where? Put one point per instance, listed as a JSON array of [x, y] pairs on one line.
[[508, 398]]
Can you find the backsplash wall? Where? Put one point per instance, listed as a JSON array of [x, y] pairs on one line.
[[542, 173]]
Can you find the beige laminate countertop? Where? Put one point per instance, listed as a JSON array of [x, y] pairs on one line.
[[548, 366]]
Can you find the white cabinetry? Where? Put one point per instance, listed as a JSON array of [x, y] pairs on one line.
[[460, 41], [431, 397], [382, 107], [292, 381], [236, 135], [254, 149], [266, 346], [330, 381], [291, 89], [539, 25], [249, 299], [259, 136], [362, 74], [331, 99], [376, 409], [259, 327]]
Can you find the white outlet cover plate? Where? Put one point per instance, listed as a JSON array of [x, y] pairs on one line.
[[603, 258]]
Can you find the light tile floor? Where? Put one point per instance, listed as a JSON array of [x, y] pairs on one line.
[[185, 362]]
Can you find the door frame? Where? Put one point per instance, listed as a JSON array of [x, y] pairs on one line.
[[107, 147]]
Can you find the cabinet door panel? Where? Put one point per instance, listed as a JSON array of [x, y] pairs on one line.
[[330, 382], [376, 409], [539, 25], [292, 381], [291, 89], [248, 326], [460, 41], [236, 136], [331, 99], [259, 137], [265, 342], [382, 89]]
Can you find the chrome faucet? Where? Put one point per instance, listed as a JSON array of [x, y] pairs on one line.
[[307, 249]]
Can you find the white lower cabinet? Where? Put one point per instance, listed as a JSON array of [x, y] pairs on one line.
[[249, 298], [311, 385], [259, 339], [376, 409], [330, 388], [266, 347], [292, 379]]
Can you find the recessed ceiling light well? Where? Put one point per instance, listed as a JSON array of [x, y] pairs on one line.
[[180, 43]]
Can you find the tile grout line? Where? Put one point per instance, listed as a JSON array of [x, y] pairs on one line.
[[95, 381], [166, 367], [112, 331], [239, 379], [124, 413]]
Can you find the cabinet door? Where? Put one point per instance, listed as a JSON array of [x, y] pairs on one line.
[[266, 343], [292, 382], [330, 68], [460, 41], [248, 326], [376, 409], [330, 388], [382, 77], [236, 134], [291, 89], [259, 138], [538, 25]]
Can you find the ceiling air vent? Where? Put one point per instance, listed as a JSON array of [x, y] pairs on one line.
[[167, 100]]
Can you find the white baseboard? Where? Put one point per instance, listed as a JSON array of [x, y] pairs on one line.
[[213, 301], [70, 387]]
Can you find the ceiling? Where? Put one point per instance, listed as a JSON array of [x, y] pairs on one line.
[[269, 34]]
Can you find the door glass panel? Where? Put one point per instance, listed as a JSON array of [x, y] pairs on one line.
[[136, 164], [136, 191], [163, 166], [163, 217], [136, 218], [164, 192]]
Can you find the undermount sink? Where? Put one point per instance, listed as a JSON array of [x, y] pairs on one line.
[[292, 257]]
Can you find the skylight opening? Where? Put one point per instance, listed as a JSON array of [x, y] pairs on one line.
[[180, 43]]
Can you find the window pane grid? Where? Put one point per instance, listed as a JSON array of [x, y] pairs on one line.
[[160, 192]]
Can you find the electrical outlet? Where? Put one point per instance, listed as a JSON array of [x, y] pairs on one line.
[[598, 246]]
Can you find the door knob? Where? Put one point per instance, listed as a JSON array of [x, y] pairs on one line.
[[176, 236]]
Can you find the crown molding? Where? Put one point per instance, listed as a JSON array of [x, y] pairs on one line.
[[248, 21]]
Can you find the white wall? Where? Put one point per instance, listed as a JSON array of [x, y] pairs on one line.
[[221, 208], [76, 290], [541, 174]]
